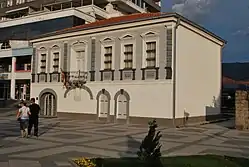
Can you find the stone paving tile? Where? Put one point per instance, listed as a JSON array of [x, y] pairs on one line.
[[62, 163], [195, 130], [22, 163], [4, 164], [63, 138]]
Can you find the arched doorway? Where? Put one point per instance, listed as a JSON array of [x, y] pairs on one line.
[[48, 103], [103, 105], [122, 106]]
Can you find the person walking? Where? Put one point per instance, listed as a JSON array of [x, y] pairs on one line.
[[23, 117], [34, 117]]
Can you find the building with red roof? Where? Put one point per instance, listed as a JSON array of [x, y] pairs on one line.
[[130, 69]]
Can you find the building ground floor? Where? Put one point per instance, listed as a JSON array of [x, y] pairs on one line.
[[118, 103], [18, 89]]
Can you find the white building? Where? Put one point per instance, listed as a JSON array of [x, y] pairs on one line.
[[138, 67], [15, 69]]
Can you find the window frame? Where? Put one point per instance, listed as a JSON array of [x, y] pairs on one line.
[[127, 39], [79, 46], [149, 58], [42, 51], [150, 36], [55, 49], [107, 42]]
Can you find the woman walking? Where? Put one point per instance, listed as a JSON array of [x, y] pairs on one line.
[[23, 117]]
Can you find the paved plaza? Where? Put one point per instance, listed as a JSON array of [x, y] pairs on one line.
[[62, 139]]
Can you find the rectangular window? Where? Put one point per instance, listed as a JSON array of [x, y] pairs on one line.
[[128, 59], [80, 60], [169, 54], [108, 58], [9, 3], [43, 63], [56, 62], [2, 5], [151, 54]]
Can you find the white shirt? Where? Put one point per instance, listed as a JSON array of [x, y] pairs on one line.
[[24, 112]]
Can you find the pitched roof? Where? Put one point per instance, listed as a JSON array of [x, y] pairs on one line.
[[113, 20], [128, 19]]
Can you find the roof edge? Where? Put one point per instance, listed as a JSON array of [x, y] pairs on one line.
[[162, 15]]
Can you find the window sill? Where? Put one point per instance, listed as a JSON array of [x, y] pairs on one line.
[[127, 69], [106, 70], [150, 68]]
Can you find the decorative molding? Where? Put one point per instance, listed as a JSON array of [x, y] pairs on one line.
[[108, 40], [82, 87], [55, 47], [127, 37], [79, 46], [105, 92], [42, 49], [150, 33]]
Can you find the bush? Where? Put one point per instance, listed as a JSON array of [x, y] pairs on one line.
[[150, 148]]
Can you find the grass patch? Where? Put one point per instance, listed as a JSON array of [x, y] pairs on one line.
[[181, 161]]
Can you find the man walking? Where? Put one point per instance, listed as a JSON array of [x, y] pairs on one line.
[[34, 117]]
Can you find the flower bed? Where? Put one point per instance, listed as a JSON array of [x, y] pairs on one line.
[[85, 162], [181, 161]]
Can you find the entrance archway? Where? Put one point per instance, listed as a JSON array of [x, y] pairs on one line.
[[122, 106], [103, 105], [48, 103]]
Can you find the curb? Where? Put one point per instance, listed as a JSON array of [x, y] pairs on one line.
[[205, 123]]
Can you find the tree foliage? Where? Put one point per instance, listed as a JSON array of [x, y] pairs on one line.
[[150, 148]]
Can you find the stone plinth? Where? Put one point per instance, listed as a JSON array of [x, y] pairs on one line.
[[241, 110]]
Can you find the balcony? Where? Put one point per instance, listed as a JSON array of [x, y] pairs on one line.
[[128, 6], [100, 13], [5, 53], [23, 67], [23, 71], [47, 15], [6, 65], [75, 79], [23, 64]]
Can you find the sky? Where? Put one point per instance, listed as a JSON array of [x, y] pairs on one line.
[[226, 18]]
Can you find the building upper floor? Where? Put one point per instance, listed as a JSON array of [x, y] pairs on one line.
[[15, 56], [16, 12], [14, 48], [22, 20], [134, 47]]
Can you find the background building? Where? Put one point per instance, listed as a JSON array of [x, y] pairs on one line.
[[23, 20], [15, 69]]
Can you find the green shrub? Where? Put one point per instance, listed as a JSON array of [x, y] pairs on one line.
[[150, 148]]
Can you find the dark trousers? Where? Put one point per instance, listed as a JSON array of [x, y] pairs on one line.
[[33, 122]]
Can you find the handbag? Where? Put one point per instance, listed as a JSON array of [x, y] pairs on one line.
[[18, 119]]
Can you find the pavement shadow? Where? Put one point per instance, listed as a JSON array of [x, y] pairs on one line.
[[9, 129], [48, 127], [132, 147]]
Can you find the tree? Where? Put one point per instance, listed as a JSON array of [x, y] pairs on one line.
[[150, 148]]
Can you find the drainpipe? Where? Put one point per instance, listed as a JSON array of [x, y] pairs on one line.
[[174, 72]]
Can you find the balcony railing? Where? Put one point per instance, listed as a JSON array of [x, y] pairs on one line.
[[23, 68], [74, 79]]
